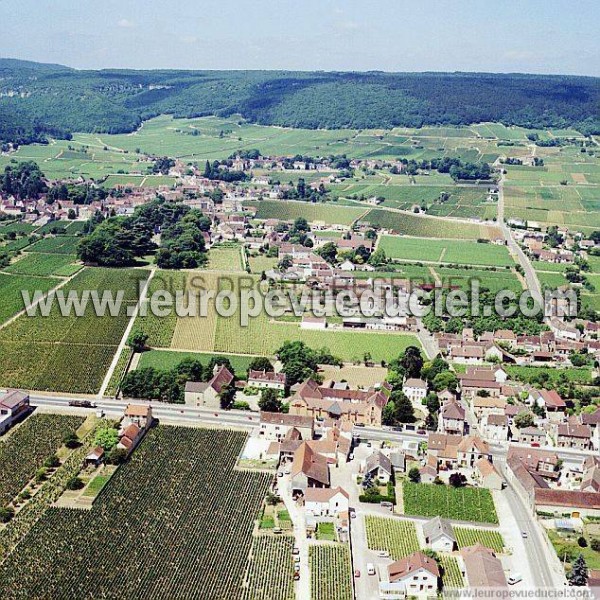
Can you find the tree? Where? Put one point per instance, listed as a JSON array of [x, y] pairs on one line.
[[412, 361], [595, 544], [6, 514], [71, 440], [414, 475], [116, 456], [261, 363], [404, 411], [137, 341], [579, 572], [328, 252], [74, 483], [107, 437], [432, 403], [378, 258], [227, 396], [52, 462], [524, 419], [270, 401], [457, 480]]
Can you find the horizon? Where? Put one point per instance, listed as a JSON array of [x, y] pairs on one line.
[[538, 38], [265, 70]]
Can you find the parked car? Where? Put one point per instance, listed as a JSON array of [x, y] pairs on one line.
[[356, 573], [295, 550], [371, 568], [524, 535], [515, 578]]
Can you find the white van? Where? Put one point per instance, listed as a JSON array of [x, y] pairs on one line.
[[370, 569], [515, 578]]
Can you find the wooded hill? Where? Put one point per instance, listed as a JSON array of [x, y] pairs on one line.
[[39, 101]]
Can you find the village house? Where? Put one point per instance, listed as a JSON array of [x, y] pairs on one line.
[[487, 474], [415, 390], [482, 568], [495, 427], [471, 449], [276, 426], [592, 420], [206, 393], [532, 436], [574, 435], [326, 502], [452, 419], [309, 470], [139, 415], [379, 467], [439, 535], [13, 405], [267, 379], [416, 575]]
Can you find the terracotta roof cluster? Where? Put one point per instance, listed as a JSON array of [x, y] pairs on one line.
[[324, 494], [311, 464], [267, 377], [273, 418]]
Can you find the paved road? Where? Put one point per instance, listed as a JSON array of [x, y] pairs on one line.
[[531, 279]]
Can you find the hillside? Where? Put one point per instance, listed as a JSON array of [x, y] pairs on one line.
[[37, 101]]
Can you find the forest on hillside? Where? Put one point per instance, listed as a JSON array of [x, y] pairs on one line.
[[40, 101]]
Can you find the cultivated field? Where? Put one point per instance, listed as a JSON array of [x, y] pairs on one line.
[[45, 353], [462, 504], [11, 286], [451, 574], [395, 536], [45, 265], [62, 244], [330, 572], [445, 251], [328, 214], [226, 257], [489, 538], [158, 529], [270, 574], [24, 450]]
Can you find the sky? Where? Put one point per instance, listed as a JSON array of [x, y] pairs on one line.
[[529, 36]]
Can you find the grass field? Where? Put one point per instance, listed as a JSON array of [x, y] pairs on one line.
[[165, 495], [395, 536], [330, 572], [445, 251], [462, 504]]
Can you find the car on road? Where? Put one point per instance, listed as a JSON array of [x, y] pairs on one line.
[[82, 404], [371, 568], [356, 573], [359, 424], [295, 550], [296, 576], [515, 578], [524, 535], [280, 474], [297, 568]]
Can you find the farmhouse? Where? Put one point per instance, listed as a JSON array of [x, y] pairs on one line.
[[309, 469], [13, 405], [416, 575], [324, 502], [439, 535], [206, 393], [267, 379], [276, 426], [140, 415]]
